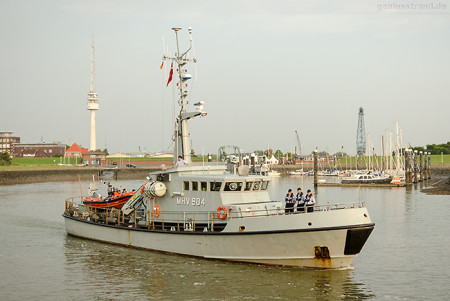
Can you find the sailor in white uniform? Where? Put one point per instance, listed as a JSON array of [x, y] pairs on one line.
[[180, 162]]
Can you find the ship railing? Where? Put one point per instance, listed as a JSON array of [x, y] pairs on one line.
[[196, 221]]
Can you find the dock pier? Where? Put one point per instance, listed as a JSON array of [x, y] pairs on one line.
[[316, 167]]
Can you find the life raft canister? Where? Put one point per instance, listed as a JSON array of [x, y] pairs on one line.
[[222, 212], [156, 210]]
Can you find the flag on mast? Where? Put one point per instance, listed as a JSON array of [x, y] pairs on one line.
[[170, 75], [162, 65]]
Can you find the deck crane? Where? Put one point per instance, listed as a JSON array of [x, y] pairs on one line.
[[299, 145]]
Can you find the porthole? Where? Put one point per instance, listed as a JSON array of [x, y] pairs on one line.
[[233, 186]]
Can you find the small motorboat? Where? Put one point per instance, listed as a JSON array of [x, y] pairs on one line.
[[298, 172], [366, 179], [274, 173]]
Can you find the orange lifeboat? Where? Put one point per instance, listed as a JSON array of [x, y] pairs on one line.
[[117, 200]]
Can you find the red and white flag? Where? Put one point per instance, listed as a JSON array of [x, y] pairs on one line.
[[170, 75]]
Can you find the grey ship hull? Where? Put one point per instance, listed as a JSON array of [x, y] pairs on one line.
[[290, 241]]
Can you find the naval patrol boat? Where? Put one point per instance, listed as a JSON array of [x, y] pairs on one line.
[[221, 211]]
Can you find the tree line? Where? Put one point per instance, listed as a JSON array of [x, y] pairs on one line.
[[434, 149]]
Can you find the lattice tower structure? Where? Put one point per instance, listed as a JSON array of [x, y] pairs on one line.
[[361, 134]]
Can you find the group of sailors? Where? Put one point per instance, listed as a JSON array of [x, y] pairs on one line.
[[299, 202]]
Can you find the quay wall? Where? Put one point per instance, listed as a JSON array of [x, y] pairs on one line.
[[10, 177]]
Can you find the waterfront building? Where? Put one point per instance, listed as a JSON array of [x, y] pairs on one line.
[[7, 142], [118, 155], [161, 155], [94, 158], [75, 151], [38, 150]]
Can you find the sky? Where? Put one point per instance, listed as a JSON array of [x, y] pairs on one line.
[[264, 70]]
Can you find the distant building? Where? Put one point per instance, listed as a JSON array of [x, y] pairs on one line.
[[118, 155], [75, 151], [162, 155], [38, 150], [7, 142], [94, 158], [271, 160]]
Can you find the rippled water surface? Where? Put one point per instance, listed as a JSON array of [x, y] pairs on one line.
[[405, 258]]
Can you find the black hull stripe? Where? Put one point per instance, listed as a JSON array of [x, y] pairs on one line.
[[371, 225]]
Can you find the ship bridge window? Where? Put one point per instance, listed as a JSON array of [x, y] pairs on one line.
[[204, 186], [265, 185], [194, 186], [215, 186], [163, 177], [185, 185], [257, 185], [233, 186], [248, 186]]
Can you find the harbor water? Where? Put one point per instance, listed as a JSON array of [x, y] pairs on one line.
[[405, 258]]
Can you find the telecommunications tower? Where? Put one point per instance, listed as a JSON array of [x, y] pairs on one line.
[[93, 103], [361, 134]]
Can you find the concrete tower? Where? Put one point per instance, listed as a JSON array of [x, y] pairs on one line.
[[93, 103]]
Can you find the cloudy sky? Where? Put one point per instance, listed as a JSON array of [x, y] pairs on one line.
[[265, 69]]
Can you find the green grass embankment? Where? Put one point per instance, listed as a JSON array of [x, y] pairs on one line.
[[52, 162], [46, 163], [40, 163]]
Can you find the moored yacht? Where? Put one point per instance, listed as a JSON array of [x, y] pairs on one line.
[[366, 179], [221, 212]]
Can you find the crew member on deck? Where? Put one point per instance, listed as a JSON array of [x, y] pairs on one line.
[[310, 201], [181, 162], [109, 189], [300, 200], [290, 201]]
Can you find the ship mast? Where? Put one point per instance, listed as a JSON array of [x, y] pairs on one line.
[[182, 145]]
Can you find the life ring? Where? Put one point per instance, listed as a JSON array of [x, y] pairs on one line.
[[219, 212], [143, 187], [156, 211]]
